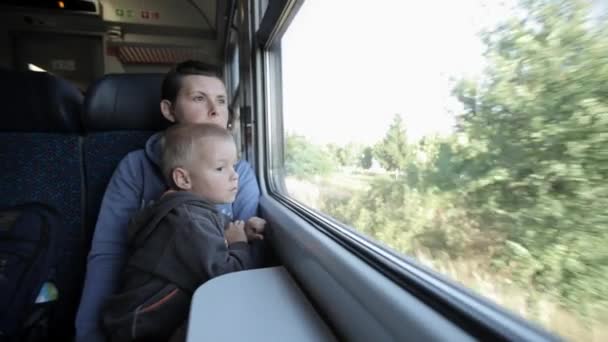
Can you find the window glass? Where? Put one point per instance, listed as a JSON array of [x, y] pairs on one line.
[[471, 135], [232, 84], [233, 65]]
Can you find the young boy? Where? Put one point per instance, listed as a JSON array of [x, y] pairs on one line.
[[181, 241]]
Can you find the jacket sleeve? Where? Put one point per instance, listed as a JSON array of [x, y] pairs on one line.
[[108, 250], [246, 203], [200, 244]]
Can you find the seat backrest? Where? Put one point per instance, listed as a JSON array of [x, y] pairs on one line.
[[121, 112], [41, 158], [39, 143], [35, 102]]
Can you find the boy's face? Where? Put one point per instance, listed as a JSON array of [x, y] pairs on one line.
[[201, 99], [212, 172]]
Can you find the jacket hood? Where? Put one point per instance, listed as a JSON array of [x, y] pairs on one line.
[[153, 148], [145, 221]]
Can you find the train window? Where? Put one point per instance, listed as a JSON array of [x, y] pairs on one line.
[[469, 135], [232, 67], [232, 85]]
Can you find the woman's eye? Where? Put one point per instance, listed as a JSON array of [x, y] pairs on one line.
[[199, 98]]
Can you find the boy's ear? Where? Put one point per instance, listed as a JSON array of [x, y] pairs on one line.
[[167, 109], [181, 178]]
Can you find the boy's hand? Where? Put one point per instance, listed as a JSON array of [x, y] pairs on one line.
[[254, 228], [235, 232]]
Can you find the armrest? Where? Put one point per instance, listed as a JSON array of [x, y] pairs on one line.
[[256, 305]]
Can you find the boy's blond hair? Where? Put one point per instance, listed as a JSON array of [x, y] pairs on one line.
[[179, 143]]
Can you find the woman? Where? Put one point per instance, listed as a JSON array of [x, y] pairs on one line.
[[190, 94]]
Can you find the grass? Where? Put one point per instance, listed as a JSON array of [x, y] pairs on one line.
[[527, 303], [473, 272]]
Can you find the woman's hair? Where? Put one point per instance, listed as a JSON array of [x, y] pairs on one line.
[[173, 80], [179, 142]]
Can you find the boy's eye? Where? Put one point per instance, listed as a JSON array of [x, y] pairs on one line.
[[221, 168], [221, 101], [199, 98]]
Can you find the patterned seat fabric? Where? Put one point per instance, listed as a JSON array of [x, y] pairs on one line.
[[41, 158], [121, 112]]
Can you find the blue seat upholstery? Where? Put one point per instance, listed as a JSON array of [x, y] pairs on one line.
[[56, 151], [41, 158], [121, 113]]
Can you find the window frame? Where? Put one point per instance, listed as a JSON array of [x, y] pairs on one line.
[[475, 314]]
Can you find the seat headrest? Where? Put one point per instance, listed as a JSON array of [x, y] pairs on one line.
[[124, 102], [38, 102]]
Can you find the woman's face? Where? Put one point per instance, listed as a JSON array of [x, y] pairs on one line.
[[201, 99]]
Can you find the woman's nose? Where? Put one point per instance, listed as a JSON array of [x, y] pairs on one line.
[[212, 109]]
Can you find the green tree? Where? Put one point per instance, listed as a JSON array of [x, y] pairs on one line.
[[304, 159], [524, 180], [537, 163], [347, 155], [392, 152], [365, 162], [334, 152]]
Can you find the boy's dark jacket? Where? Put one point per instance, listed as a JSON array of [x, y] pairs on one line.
[[176, 245]]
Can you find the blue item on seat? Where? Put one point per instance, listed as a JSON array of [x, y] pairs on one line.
[[29, 250]]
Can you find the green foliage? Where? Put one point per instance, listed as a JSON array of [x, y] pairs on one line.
[[537, 162], [392, 152], [365, 162], [304, 159], [409, 219], [524, 181], [348, 155]]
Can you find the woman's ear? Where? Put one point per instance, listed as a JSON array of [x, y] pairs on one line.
[[167, 109], [181, 179]]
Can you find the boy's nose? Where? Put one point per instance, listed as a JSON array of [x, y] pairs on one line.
[[234, 176]]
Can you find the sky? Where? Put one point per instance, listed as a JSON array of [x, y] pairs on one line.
[[350, 65]]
